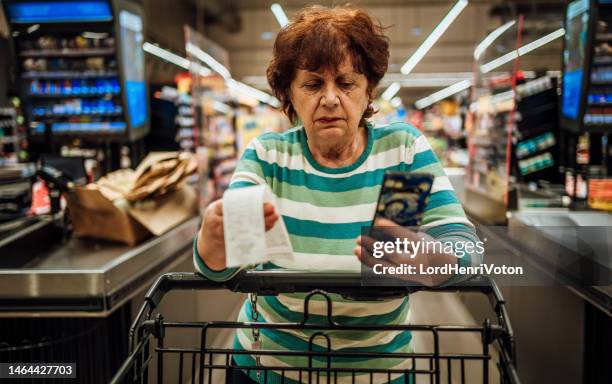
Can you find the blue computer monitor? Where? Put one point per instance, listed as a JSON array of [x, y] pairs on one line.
[[574, 60]]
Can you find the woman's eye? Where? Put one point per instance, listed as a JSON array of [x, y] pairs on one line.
[[346, 84], [313, 85]]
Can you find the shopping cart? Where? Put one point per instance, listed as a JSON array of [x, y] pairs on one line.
[[205, 363]]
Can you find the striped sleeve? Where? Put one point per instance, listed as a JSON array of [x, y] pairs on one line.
[[459, 234], [443, 206], [249, 169], [248, 172], [202, 268], [444, 217]]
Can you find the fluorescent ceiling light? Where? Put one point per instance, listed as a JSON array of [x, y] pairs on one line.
[[491, 65], [443, 94], [425, 80], [541, 41], [253, 92], [491, 37], [166, 55], [434, 36], [488, 67], [225, 73], [280, 15], [200, 69], [391, 91], [209, 60]]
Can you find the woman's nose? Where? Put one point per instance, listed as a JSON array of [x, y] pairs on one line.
[[330, 97]]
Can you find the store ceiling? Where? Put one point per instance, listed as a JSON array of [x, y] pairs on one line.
[[247, 28], [250, 35]]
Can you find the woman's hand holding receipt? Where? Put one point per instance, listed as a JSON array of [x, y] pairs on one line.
[[211, 238]]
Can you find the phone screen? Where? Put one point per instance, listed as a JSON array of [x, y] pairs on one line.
[[403, 197]]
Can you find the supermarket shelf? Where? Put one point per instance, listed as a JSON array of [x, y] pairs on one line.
[[76, 129], [602, 60], [64, 115], [536, 153], [598, 128], [68, 74], [529, 132], [71, 96], [601, 82], [7, 112], [600, 104], [68, 52], [8, 140], [602, 37], [539, 151], [529, 112]]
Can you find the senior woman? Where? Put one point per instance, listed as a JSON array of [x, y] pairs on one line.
[[326, 174]]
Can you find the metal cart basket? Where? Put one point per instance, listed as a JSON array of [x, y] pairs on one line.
[[204, 363]]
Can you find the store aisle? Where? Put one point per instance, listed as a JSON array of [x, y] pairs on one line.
[[452, 309]]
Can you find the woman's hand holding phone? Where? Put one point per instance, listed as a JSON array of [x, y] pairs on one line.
[[399, 212], [419, 258]]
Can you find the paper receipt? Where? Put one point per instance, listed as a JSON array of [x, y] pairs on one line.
[[246, 239]]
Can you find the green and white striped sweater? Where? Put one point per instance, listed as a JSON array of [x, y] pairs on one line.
[[324, 210]]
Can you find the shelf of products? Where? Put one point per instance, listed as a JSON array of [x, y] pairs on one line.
[[13, 135], [600, 84], [87, 74], [586, 112], [68, 52], [487, 138], [534, 150], [81, 72], [73, 87], [72, 84], [77, 107]]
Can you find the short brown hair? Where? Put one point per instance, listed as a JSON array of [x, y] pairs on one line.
[[320, 38]]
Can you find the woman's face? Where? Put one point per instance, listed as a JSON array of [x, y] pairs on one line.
[[330, 105]]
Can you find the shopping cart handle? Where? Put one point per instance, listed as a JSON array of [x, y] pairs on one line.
[[347, 284], [284, 281]]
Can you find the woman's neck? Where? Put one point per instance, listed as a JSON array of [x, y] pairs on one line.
[[341, 154]]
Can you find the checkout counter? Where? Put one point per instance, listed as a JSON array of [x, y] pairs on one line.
[[563, 326], [74, 302], [89, 278]]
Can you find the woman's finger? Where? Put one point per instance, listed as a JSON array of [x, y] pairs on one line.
[[388, 229], [218, 207], [217, 227], [268, 209], [366, 242], [383, 222], [357, 252], [269, 221], [367, 259]]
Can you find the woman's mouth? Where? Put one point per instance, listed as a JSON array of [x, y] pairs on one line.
[[327, 120]]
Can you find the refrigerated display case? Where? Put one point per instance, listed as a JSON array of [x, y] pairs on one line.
[[80, 69]]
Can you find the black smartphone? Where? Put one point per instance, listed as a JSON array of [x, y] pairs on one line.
[[403, 197]]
